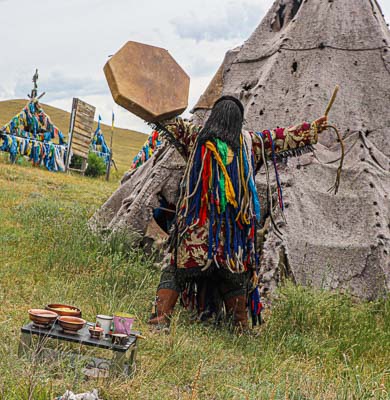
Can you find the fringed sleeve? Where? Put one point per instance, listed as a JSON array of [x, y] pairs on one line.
[[284, 142], [184, 132]]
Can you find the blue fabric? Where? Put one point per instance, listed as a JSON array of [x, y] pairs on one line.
[[98, 144], [42, 153], [238, 235]]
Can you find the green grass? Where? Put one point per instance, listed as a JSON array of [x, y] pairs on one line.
[[126, 143], [314, 345]]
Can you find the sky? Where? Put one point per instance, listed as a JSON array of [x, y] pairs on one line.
[[69, 42]]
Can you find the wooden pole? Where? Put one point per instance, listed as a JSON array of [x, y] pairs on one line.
[[333, 98], [72, 118], [110, 157]]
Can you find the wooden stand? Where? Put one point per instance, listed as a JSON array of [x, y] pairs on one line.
[[121, 363]]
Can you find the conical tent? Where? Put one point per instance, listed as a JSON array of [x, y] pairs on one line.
[[31, 133], [285, 73]]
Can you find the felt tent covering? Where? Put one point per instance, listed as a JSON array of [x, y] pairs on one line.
[[285, 73], [130, 209], [31, 133]]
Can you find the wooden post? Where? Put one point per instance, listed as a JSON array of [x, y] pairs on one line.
[[110, 157], [72, 117], [83, 166]]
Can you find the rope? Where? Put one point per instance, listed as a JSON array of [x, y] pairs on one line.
[[336, 185], [321, 46], [346, 151]]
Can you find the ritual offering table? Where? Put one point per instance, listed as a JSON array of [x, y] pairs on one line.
[[123, 357]]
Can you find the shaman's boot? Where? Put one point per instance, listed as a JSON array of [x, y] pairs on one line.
[[166, 300], [236, 307]]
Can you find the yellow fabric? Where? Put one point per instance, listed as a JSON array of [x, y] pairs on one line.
[[230, 195], [230, 156]]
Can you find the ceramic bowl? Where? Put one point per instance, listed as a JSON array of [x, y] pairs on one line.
[[42, 318], [96, 332], [64, 309], [71, 324]]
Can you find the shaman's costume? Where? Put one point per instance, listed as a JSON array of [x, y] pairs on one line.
[[219, 208]]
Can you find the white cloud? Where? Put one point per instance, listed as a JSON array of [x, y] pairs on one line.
[[221, 21], [70, 41], [59, 85]]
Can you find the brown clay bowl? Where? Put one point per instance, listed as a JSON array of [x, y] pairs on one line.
[[42, 318], [64, 309], [96, 332], [71, 324]]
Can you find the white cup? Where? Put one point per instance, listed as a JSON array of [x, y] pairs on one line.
[[104, 321]]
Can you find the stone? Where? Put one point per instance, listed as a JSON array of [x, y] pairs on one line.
[[68, 395]]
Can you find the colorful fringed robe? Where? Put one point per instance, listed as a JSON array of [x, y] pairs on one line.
[[219, 207], [220, 197]]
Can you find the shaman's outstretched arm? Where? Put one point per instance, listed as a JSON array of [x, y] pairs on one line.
[[180, 133], [285, 142]]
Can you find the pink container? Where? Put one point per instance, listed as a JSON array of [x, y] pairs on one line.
[[123, 323]]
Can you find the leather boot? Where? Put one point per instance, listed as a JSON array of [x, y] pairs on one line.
[[236, 307], [166, 300]]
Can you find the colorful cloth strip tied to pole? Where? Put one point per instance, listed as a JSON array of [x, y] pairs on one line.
[[99, 145], [32, 122], [148, 149], [47, 154], [30, 134]]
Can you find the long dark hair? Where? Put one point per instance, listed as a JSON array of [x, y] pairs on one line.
[[225, 122]]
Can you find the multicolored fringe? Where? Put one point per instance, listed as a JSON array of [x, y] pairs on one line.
[[282, 157], [256, 306], [220, 189], [148, 149], [98, 144]]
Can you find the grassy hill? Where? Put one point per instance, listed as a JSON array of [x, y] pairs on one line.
[[126, 143]]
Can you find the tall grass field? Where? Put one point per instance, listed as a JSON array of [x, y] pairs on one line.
[[313, 345]]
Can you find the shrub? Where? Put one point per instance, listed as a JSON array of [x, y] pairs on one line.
[[96, 165], [76, 162]]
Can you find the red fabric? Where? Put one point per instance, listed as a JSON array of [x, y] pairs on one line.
[[205, 187], [279, 132]]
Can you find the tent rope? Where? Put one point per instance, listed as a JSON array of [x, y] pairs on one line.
[[336, 185]]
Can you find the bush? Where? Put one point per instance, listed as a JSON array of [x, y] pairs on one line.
[[76, 162], [96, 165]]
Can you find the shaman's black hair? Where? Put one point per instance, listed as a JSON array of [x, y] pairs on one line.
[[225, 122]]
